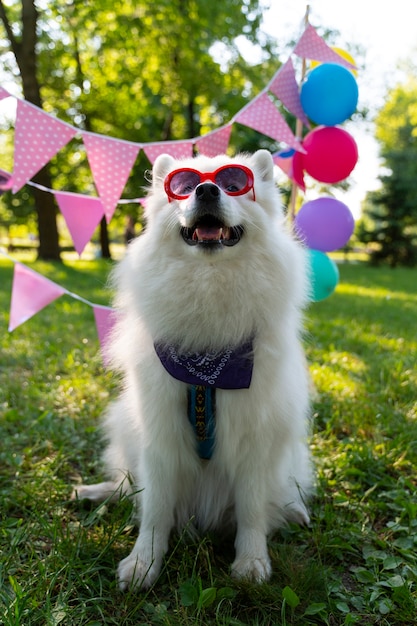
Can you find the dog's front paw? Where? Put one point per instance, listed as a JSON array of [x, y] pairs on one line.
[[250, 568], [137, 573]]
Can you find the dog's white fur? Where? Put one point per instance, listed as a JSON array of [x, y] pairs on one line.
[[169, 291]]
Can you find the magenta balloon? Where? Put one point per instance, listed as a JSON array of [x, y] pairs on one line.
[[298, 170], [332, 154], [324, 224]]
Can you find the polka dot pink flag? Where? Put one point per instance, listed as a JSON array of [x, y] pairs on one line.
[[284, 85], [111, 161], [177, 149], [262, 115], [215, 143], [312, 46], [38, 137], [82, 215], [285, 163], [31, 292]]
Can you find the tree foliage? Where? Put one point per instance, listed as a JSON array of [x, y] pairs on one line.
[[143, 71], [390, 213], [21, 35]]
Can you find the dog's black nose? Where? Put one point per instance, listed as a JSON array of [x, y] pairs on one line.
[[207, 192]]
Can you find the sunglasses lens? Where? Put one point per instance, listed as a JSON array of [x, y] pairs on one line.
[[232, 179], [183, 183]]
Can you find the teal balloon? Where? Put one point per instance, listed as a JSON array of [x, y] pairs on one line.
[[324, 275]]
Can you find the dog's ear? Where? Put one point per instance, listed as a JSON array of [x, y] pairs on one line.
[[162, 165], [263, 163]]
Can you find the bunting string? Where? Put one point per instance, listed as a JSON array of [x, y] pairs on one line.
[[39, 136], [140, 200]]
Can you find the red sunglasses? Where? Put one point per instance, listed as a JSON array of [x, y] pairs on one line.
[[235, 180]]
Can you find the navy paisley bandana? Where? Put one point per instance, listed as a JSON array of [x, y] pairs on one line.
[[230, 369]]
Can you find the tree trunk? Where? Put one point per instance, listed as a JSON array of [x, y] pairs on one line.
[[48, 248], [104, 239], [24, 50], [191, 121]]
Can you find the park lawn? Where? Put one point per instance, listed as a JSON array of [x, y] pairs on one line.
[[357, 563]]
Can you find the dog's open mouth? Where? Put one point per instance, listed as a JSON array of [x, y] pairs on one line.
[[210, 231]]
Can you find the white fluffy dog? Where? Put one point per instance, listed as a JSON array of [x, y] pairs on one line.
[[212, 424]]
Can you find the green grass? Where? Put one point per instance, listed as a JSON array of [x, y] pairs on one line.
[[357, 563]]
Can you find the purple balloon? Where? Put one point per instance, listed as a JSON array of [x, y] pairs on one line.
[[324, 224]]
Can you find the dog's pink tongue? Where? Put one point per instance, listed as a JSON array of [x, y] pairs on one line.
[[208, 233]]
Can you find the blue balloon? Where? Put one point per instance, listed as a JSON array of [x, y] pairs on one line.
[[329, 94], [324, 275]]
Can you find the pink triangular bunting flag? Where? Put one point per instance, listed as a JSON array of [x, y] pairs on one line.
[[4, 93], [312, 46], [38, 137], [105, 319], [31, 292], [177, 149], [284, 86], [284, 162], [262, 115], [82, 215], [111, 161], [214, 143]]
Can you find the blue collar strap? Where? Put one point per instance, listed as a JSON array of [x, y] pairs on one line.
[[202, 413], [203, 373]]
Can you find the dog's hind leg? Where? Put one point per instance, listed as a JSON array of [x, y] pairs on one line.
[[108, 490]]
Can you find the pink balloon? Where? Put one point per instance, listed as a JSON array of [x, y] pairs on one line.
[[332, 154], [324, 224]]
